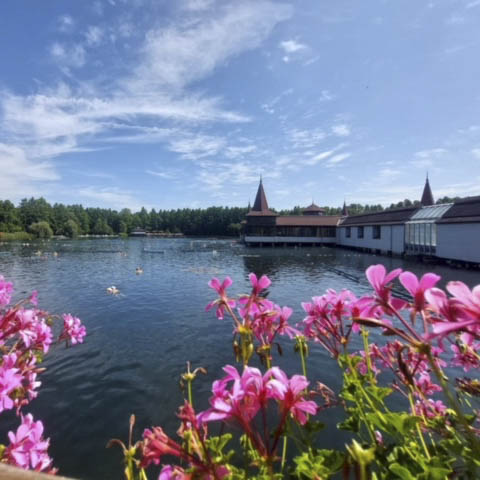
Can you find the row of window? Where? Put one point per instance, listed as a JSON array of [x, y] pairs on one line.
[[376, 232]]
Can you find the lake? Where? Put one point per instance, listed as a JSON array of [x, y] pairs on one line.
[[138, 341]]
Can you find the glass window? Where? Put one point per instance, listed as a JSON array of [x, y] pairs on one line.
[[376, 231], [434, 234], [359, 232], [348, 232]]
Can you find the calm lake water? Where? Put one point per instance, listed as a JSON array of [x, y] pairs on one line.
[[138, 342]]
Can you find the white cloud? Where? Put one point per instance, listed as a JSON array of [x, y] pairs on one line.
[[21, 176], [197, 5], [94, 36], [476, 153], [197, 146], [175, 56], [306, 138], [336, 159], [65, 23], [474, 3], [73, 56], [292, 46], [341, 130], [427, 158], [112, 197], [165, 175]]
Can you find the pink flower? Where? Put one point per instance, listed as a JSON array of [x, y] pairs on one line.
[[6, 289], [259, 284], [172, 473], [223, 301], [380, 280], [241, 402], [451, 314], [27, 448], [34, 298], [73, 329], [156, 444], [425, 385], [10, 379], [417, 289], [291, 393]]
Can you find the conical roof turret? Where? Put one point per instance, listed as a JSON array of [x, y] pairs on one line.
[[260, 206], [344, 209], [427, 196]]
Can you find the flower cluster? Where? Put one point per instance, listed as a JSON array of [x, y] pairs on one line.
[[26, 335], [422, 331]]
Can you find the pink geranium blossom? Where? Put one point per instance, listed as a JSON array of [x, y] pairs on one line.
[[223, 301], [380, 281], [6, 290], [10, 379], [27, 447], [73, 329], [418, 288], [259, 284]]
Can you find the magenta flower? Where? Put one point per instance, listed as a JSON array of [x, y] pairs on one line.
[[10, 379], [259, 284], [291, 393], [34, 298], [450, 313], [73, 329], [27, 448], [417, 288], [380, 280], [156, 444], [172, 473], [223, 301], [6, 289]]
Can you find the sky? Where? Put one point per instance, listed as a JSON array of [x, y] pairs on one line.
[[185, 103]]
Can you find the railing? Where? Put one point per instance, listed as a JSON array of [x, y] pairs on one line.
[[11, 473]]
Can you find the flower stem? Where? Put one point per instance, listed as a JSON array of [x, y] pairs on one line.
[[419, 431]]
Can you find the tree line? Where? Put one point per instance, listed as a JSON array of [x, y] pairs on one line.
[[41, 219]]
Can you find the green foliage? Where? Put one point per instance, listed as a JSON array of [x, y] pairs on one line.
[[41, 230], [71, 228], [15, 237], [319, 463]]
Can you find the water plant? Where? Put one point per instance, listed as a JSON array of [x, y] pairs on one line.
[[270, 421]]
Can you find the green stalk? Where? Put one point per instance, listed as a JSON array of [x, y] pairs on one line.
[[419, 430], [284, 451]]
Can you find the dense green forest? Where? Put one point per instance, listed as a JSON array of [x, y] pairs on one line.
[[39, 218]]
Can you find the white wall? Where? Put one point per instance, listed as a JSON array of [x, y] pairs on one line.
[[459, 241], [391, 238], [258, 239]]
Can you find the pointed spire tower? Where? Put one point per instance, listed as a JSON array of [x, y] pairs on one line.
[[260, 206], [344, 209], [427, 196]]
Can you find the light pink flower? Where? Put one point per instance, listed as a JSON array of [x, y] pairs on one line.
[[156, 444], [27, 448], [172, 473], [6, 290], [417, 288], [223, 301], [34, 298]]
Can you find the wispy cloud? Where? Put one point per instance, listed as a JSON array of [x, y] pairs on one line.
[[94, 36], [336, 159], [22, 176], [65, 23], [70, 56], [476, 152], [292, 48], [341, 130], [112, 197], [474, 3]]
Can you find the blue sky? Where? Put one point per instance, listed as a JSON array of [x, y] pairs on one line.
[[185, 103]]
